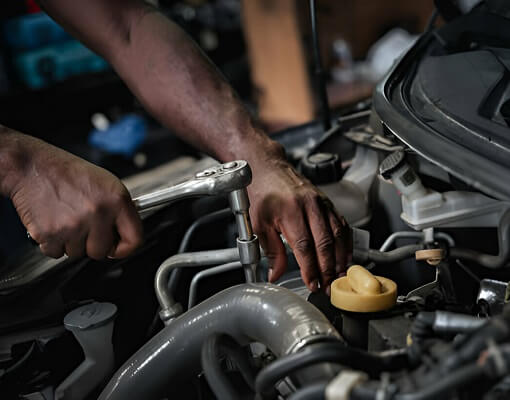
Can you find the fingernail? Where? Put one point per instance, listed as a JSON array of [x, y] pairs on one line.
[[111, 254], [314, 285], [328, 290], [269, 274]]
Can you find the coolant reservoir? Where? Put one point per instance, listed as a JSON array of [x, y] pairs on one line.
[[360, 291]]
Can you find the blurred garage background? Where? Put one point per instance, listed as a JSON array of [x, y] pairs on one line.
[[54, 88]]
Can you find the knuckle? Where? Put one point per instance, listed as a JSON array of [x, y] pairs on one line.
[[51, 251], [312, 197], [304, 245], [91, 209], [325, 245], [38, 234], [137, 242], [120, 197], [70, 228], [337, 232], [293, 204], [327, 269], [47, 234]]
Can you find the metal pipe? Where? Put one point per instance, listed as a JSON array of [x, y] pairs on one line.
[[192, 299], [487, 260], [414, 235], [263, 313], [169, 307], [186, 239]]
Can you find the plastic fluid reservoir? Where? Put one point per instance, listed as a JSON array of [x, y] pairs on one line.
[[360, 291]]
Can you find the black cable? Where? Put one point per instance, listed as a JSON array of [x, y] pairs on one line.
[[399, 254], [443, 386], [319, 72], [362, 392], [422, 325], [311, 392], [487, 260], [335, 352], [457, 368], [439, 389], [431, 23], [214, 349], [19, 362], [428, 324], [496, 329]]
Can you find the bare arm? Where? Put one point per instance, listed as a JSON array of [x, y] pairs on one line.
[[173, 79], [166, 71], [67, 204]]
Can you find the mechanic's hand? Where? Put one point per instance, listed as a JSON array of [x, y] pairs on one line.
[[68, 205], [282, 201]]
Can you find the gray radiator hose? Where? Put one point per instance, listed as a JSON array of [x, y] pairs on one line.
[[257, 312]]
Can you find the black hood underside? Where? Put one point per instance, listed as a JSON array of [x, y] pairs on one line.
[[449, 100]]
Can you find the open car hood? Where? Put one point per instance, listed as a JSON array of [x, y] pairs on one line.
[[448, 99]]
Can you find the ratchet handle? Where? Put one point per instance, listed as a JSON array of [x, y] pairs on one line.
[[217, 180]]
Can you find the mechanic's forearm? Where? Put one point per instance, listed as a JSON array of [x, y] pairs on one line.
[[181, 88], [15, 154], [168, 73]]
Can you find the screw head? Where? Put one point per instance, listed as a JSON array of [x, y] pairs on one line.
[[204, 174], [230, 165]]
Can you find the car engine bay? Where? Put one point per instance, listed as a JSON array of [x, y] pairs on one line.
[[420, 172]]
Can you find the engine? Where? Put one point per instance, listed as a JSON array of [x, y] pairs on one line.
[[420, 314]]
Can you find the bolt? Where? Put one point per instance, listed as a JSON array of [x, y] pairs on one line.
[[205, 174], [230, 165]]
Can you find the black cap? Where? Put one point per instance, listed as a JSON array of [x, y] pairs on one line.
[[322, 168], [391, 163]]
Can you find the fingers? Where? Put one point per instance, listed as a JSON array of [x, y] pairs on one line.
[[324, 241], [340, 231], [275, 252], [75, 247], [319, 239], [100, 240], [130, 231], [113, 231], [300, 239], [53, 249]]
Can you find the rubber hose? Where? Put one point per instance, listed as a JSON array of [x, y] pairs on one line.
[[326, 352], [450, 382], [430, 392], [399, 254], [214, 349], [487, 260], [311, 392]]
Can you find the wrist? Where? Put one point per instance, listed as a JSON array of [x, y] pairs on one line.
[[261, 151], [14, 155]]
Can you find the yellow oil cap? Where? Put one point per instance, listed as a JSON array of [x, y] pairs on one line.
[[360, 291]]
